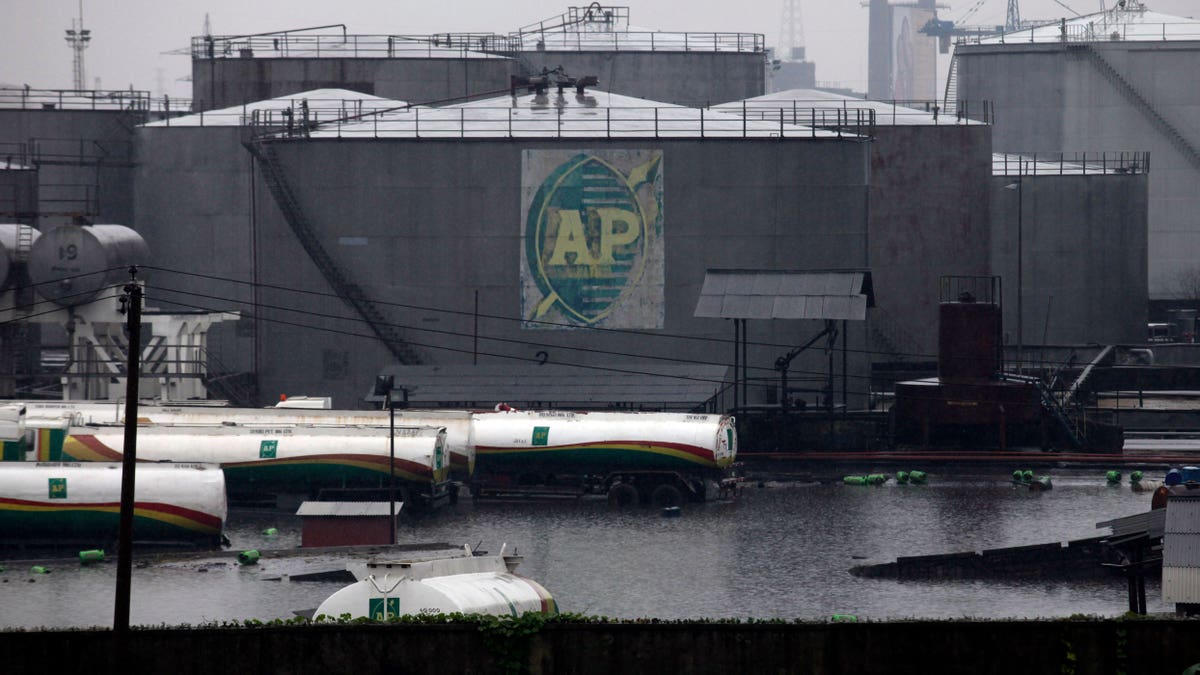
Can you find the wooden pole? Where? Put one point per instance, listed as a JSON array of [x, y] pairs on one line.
[[132, 308]]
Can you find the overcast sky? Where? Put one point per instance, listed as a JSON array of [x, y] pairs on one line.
[[131, 38]]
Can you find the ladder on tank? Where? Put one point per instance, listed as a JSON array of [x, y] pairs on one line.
[[348, 291], [1135, 97], [950, 99]]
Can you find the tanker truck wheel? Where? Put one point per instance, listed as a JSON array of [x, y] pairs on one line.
[[622, 495], [666, 495]]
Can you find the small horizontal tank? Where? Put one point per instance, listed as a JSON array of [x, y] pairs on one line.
[[70, 264]]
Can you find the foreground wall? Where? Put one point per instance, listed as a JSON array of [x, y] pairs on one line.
[[1082, 647]]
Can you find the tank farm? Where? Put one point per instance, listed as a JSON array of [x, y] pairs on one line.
[[377, 283]]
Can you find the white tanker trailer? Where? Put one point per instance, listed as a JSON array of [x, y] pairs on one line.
[[72, 503], [627, 455], [465, 584], [661, 458], [284, 457], [460, 453]]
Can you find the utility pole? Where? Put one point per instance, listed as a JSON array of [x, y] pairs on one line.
[[131, 307]]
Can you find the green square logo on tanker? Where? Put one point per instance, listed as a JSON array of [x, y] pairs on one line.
[[266, 449], [588, 233], [378, 611], [541, 436], [58, 488]]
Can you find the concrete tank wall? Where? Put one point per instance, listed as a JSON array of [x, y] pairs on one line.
[[196, 201], [91, 171], [1084, 257], [426, 224], [929, 188], [1054, 97], [226, 82], [683, 78]]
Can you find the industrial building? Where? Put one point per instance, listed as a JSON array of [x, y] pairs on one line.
[[1114, 80]]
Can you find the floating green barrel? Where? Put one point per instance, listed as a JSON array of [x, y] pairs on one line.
[[93, 556], [1018, 476], [855, 480], [1135, 476], [248, 557], [38, 569], [843, 618], [1027, 475], [917, 477], [270, 532], [1113, 476], [901, 477]]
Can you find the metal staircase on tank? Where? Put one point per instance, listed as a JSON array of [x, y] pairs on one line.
[[1135, 97], [348, 291], [950, 99], [1074, 432]]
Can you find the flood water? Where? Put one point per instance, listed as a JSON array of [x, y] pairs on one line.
[[782, 550]]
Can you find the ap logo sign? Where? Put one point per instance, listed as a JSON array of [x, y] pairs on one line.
[[592, 238]]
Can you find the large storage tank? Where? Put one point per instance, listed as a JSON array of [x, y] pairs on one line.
[[71, 264], [1112, 80]]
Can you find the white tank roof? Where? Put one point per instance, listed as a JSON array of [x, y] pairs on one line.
[[590, 115], [322, 104], [801, 100], [1135, 23]]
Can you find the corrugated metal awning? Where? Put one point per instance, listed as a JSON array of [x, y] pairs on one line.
[[347, 509], [665, 386], [773, 294]]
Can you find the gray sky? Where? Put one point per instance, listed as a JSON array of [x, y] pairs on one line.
[[129, 37]]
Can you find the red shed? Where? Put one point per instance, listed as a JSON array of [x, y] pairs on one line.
[[346, 523]]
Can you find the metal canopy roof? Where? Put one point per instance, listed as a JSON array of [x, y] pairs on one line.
[[773, 294], [677, 386], [347, 509]]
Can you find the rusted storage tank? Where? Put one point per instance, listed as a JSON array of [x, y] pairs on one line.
[[16, 241], [71, 264], [968, 340]]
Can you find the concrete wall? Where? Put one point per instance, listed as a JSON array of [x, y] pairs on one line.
[[685, 78], [197, 199], [427, 224], [1083, 244], [928, 219], [1051, 97], [86, 157], [222, 83], [1083, 646]]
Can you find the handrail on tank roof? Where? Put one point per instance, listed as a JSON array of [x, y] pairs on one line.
[[1102, 31], [1071, 163], [74, 99], [417, 122]]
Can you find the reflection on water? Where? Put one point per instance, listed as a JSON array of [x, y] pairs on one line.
[[780, 551]]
